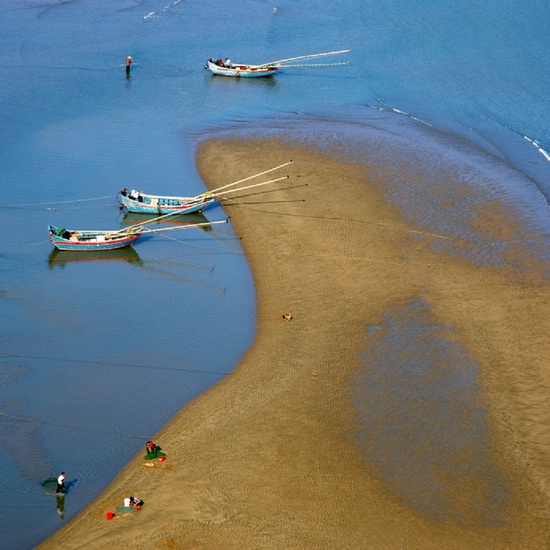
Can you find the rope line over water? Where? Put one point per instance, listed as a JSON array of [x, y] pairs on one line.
[[27, 205], [110, 364], [315, 65]]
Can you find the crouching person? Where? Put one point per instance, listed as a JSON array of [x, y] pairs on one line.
[[133, 502]]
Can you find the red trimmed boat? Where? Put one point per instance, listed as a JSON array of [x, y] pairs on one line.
[[93, 240]]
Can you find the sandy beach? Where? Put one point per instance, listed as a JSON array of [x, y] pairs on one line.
[[270, 457]]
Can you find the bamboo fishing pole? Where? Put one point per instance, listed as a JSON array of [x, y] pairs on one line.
[[251, 177], [254, 185], [171, 228], [157, 218], [311, 56]]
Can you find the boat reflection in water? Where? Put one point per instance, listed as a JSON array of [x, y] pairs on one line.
[[132, 219], [60, 258]]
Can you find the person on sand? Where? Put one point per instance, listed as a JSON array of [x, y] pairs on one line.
[[61, 483], [133, 502], [153, 451]]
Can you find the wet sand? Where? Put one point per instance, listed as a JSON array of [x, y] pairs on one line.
[[268, 458]]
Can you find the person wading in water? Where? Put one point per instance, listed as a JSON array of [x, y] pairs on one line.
[[61, 483]]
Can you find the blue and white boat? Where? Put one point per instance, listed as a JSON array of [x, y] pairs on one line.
[[143, 203], [138, 202]]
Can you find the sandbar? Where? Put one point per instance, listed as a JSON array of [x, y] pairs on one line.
[[269, 457]]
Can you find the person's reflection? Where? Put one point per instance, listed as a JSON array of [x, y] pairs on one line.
[[61, 505]]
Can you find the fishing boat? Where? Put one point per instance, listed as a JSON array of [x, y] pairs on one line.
[[78, 240], [227, 68], [144, 203], [93, 240], [217, 66]]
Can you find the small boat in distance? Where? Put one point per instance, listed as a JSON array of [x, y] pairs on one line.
[[219, 67], [143, 203], [93, 240], [227, 68]]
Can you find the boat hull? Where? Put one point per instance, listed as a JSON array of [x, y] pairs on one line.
[[92, 241], [159, 205], [241, 71]]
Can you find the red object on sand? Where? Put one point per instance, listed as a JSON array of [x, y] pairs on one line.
[[110, 515], [161, 459]]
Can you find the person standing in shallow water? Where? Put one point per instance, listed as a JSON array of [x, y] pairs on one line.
[[128, 64], [61, 483]]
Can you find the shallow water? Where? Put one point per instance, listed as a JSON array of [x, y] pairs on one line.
[[98, 353], [429, 442]]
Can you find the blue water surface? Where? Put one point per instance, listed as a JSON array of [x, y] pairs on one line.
[[87, 343]]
